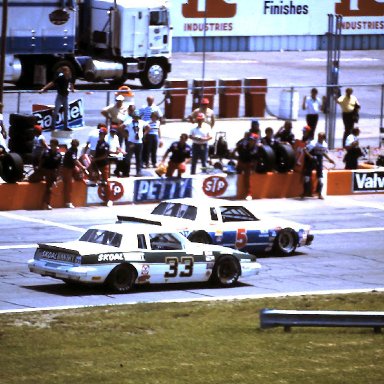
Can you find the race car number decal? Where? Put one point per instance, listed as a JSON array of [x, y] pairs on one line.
[[241, 238], [173, 262]]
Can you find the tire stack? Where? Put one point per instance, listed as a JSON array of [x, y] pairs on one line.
[[21, 134], [280, 158]]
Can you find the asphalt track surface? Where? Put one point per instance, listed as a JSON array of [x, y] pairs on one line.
[[346, 255]]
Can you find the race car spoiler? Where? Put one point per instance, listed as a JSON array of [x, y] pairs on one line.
[[124, 219]]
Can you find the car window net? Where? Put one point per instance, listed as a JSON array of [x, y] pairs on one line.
[[181, 211], [102, 237], [164, 241], [234, 213]]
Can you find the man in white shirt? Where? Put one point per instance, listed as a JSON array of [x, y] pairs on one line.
[[313, 106], [200, 135]]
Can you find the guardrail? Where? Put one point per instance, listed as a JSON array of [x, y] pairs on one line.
[[270, 318]]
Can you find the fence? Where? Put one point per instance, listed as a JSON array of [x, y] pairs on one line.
[[281, 103]]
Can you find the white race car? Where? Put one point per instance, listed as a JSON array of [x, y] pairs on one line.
[[122, 255], [227, 223]]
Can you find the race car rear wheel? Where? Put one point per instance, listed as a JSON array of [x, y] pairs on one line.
[[122, 278], [200, 237], [226, 271], [286, 241]]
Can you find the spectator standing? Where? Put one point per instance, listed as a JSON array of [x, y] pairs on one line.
[[116, 151], [72, 169], [353, 149], [204, 108], [314, 152], [39, 145], [63, 84], [284, 134], [3, 132], [116, 114], [313, 105], [200, 135], [134, 143], [246, 149], [93, 138], [180, 155], [152, 140], [48, 170], [101, 163], [349, 105], [146, 111]]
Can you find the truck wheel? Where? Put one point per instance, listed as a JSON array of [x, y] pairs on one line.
[[13, 168], [153, 76], [226, 271], [200, 237], [285, 242], [122, 278]]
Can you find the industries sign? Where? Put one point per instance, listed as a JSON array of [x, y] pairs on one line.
[[274, 17]]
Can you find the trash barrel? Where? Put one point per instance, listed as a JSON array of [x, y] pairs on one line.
[[229, 97], [255, 90], [203, 89], [175, 97], [289, 104]]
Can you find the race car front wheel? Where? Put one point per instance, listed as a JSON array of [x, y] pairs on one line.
[[122, 278], [226, 271], [286, 241]]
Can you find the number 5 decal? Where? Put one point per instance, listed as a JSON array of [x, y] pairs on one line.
[[173, 263], [241, 238]]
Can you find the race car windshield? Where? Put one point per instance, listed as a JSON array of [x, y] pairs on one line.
[[181, 211], [102, 237]]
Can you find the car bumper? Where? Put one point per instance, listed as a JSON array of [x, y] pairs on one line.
[[85, 274], [250, 268]]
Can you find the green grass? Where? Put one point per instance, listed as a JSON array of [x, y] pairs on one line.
[[199, 342]]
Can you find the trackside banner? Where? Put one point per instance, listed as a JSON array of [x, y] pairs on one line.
[[367, 181], [75, 115], [274, 17]]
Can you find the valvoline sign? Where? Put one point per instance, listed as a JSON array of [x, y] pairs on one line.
[[215, 185]]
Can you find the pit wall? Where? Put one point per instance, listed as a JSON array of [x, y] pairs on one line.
[[29, 196]]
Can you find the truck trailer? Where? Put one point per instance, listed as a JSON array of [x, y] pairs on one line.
[[100, 40]]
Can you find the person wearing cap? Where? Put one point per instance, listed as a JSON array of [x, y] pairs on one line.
[[48, 170], [180, 156], [147, 110], [135, 131], [204, 108], [313, 105], [246, 149], [63, 83], [200, 135], [38, 146], [101, 163]]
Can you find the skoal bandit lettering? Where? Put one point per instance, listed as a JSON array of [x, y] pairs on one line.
[[282, 8]]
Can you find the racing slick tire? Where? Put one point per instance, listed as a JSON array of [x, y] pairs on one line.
[[226, 271], [13, 168], [285, 242], [285, 157], [200, 237], [265, 159], [122, 278]]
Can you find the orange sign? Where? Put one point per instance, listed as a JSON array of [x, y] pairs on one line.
[[360, 8], [213, 8]]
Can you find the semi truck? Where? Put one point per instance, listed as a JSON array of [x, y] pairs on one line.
[[100, 40]]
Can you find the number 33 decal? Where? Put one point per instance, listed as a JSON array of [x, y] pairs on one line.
[[241, 238], [173, 263]]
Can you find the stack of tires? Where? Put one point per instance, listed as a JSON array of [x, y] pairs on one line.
[[280, 157], [21, 134]]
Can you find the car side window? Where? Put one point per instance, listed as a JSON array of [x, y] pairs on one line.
[[141, 243], [164, 241], [213, 214]]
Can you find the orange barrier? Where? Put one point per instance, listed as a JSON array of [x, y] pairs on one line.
[[339, 182], [26, 195]]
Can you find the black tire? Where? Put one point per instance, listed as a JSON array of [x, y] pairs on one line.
[[122, 278], [13, 168], [20, 146], [285, 157], [200, 237], [285, 242], [226, 271], [21, 122], [265, 159], [26, 134], [154, 75]]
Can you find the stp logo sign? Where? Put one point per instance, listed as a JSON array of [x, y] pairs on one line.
[[208, 8], [215, 185], [360, 7], [116, 191]]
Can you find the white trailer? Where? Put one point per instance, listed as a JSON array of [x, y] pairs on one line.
[[100, 40]]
